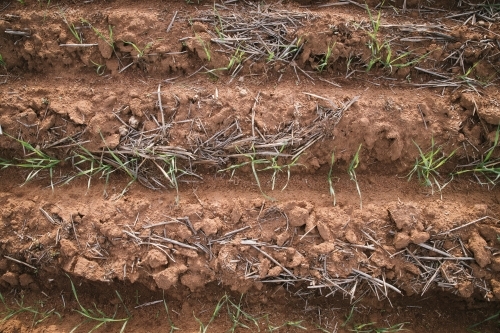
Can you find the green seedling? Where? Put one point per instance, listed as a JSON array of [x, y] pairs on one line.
[[381, 51], [206, 47], [100, 69], [218, 307], [109, 40], [275, 167], [270, 57], [427, 165], [330, 182], [324, 62], [173, 328], [89, 165], [237, 316], [352, 173], [34, 160], [97, 315], [140, 53], [487, 167], [72, 29], [252, 161], [169, 171], [236, 59], [2, 62], [119, 164], [294, 324], [370, 328], [38, 317], [495, 317]]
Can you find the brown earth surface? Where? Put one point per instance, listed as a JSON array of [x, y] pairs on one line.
[[185, 164]]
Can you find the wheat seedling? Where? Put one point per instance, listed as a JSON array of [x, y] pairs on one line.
[[487, 167], [205, 47], [173, 328], [324, 62], [352, 173], [237, 315], [218, 307], [74, 31], [140, 53], [278, 168], [97, 315], [370, 328], [427, 165], [330, 182], [252, 161], [35, 160]]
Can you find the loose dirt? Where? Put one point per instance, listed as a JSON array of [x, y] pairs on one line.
[[163, 158]]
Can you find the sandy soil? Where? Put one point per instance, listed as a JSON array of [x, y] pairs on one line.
[[167, 157]]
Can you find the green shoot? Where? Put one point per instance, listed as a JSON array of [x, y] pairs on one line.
[[140, 53], [218, 307], [330, 182], [96, 315], [38, 316], [295, 324], [369, 328], [74, 31], [2, 62], [173, 328], [169, 171], [236, 314], [496, 317], [350, 315], [236, 59], [252, 161], [109, 40], [487, 167], [99, 68], [352, 173], [270, 57], [35, 160], [324, 62], [427, 165], [92, 164], [278, 168], [205, 47]]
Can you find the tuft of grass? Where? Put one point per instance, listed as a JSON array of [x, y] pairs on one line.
[[381, 51], [352, 173], [38, 316], [97, 315], [218, 307], [324, 62], [371, 328], [330, 182], [487, 167], [140, 52], [252, 161], [427, 165], [276, 168], [74, 31], [89, 165], [109, 39], [238, 316], [34, 160]]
